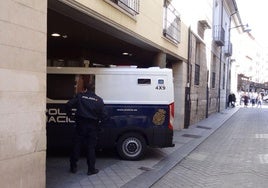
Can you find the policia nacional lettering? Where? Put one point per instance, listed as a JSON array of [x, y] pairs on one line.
[[56, 115]]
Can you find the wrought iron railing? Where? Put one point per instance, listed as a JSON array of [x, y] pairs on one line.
[[219, 35], [172, 23], [131, 6]]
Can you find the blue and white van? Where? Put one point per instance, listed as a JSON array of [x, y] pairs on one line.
[[139, 102]]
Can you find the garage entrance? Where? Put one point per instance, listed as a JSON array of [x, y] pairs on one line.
[[74, 36]]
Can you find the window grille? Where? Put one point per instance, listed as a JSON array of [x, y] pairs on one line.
[[213, 80], [172, 22], [131, 6]]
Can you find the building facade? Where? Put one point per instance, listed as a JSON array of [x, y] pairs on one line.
[[165, 33], [74, 33], [209, 56], [108, 32], [23, 93]]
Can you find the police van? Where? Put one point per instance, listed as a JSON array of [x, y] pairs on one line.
[[139, 102]]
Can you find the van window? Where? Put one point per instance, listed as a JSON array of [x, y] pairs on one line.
[[160, 81], [144, 81], [65, 86]]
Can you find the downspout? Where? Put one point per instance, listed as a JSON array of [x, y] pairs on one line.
[[229, 40], [219, 89], [187, 105], [189, 55], [228, 85]]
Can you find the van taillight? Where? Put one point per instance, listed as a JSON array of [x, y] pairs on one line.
[[171, 116]]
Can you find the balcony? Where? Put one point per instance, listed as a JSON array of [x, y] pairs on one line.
[[219, 35], [228, 49]]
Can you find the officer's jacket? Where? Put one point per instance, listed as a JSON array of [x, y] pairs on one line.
[[88, 105]]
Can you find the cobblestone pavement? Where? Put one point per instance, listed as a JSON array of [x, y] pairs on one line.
[[235, 156]]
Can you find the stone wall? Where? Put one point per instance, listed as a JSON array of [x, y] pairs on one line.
[[198, 91], [180, 75], [23, 35]]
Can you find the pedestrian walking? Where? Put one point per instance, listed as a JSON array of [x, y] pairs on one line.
[[241, 98], [246, 99], [259, 100], [90, 111], [231, 100], [254, 98]]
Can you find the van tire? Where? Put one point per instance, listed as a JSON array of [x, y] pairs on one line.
[[131, 146]]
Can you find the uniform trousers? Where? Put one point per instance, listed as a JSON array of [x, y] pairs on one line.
[[86, 131]]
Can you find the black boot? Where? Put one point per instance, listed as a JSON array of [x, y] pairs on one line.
[[91, 172], [73, 168]]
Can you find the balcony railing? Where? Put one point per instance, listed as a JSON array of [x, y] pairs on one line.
[[131, 6], [219, 35]]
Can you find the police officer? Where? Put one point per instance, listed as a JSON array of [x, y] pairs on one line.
[[90, 110]]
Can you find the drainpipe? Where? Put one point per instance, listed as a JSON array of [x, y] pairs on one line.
[[187, 103], [219, 90]]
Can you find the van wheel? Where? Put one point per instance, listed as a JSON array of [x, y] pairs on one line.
[[131, 146]]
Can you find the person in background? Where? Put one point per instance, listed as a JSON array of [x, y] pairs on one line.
[[259, 100], [229, 99], [90, 111], [246, 99], [254, 98], [233, 100]]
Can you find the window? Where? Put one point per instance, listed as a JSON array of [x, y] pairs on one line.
[[196, 74], [160, 81], [213, 68], [223, 79], [172, 22], [65, 86], [131, 6], [213, 80], [144, 81], [197, 63]]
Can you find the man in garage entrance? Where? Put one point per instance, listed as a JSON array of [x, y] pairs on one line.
[[90, 111]]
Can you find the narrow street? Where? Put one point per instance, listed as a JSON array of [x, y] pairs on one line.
[[234, 156]]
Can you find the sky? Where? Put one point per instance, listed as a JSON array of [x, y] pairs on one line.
[[254, 13]]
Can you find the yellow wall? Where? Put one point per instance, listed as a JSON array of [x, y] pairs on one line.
[[147, 25]]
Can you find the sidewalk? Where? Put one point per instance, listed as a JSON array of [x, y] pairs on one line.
[[235, 156], [118, 173]]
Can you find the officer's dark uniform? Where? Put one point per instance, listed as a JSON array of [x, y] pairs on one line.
[[90, 110]]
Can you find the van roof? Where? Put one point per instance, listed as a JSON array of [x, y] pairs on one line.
[[96, 70]]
